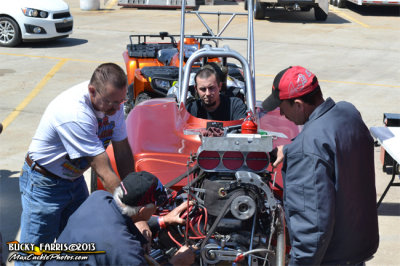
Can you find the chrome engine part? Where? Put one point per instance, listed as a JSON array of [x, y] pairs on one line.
[[236, 217], [244, 219], [252, 178], [243, 207], [213, 254]]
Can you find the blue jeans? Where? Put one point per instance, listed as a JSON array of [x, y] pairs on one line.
[[47, 204]]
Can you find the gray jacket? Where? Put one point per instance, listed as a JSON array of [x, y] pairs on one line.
[[329, 184]]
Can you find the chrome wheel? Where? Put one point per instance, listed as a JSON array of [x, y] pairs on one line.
[[9, 32]]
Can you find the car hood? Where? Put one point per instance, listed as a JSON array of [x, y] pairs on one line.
[[45, 5]]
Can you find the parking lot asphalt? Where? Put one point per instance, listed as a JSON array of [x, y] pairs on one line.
[[355, 54]]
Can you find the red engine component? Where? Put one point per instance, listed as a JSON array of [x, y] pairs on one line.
[[249, 126]]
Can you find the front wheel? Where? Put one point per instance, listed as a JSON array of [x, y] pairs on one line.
[[10, 34], [319, 14]]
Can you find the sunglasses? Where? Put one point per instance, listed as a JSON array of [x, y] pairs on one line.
[[110, 103]]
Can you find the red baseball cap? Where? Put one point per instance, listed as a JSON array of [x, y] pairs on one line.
[[290, 83]]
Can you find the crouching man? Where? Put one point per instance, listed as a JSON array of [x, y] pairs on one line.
[[108, 221]]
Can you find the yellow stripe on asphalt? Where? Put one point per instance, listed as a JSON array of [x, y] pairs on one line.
[[342, 14], [32, 94]]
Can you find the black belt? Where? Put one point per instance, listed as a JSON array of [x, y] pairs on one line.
[[40, 169]]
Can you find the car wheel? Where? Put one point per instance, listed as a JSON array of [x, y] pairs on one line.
[[259, 12], [143, 96], [10, 34], [319, 14], [334, 2], [341, 3]]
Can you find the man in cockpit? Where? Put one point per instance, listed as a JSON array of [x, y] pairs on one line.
[[211, 104]]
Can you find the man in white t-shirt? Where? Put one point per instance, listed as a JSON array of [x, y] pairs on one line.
[[72, 136]]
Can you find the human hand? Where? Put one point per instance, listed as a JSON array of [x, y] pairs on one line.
[[146, 232], [279, 156], [184, 256], [173, 217]]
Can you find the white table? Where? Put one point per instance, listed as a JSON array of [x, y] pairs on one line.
[[389, 139]]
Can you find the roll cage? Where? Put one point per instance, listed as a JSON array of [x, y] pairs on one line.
[[248, 65]]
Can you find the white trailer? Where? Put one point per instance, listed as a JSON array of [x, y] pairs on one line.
[[321, 7], [342, 3]]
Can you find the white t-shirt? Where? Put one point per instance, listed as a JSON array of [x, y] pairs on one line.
[[71, 130]]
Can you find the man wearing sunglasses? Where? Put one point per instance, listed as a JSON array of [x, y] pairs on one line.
[[107, 221], [72, 136]]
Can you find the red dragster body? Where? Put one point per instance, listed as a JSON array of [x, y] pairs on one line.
[[159, 145]]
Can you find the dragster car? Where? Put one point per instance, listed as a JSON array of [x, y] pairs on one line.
[[237, 215], [230, 175], [238, 211]]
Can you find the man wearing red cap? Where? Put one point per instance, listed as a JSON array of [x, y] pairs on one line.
[[108, 221], [328, 174]]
